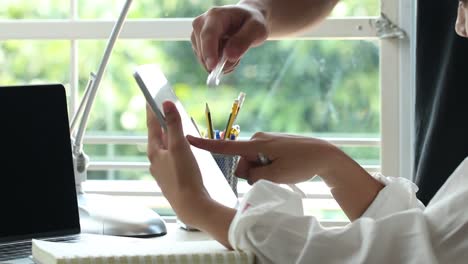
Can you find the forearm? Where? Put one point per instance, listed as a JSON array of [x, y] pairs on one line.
[[216, 221], [289, 17], [351, 186], [211, 217]]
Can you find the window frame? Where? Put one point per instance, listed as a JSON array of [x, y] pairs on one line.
[[396, 63]]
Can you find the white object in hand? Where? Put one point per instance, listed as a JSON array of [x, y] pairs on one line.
[[214, 78]]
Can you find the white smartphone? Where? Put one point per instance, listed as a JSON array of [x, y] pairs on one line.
[[151, 80], [157, 90]]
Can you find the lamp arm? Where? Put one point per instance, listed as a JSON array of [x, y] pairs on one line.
[[78, 140], [83, 102]]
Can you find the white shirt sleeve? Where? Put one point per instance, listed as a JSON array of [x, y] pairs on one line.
[[270, 223], [399, 194]]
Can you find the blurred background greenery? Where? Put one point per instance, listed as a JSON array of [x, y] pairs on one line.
[[321, 88]]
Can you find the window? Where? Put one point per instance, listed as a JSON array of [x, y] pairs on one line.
[[338, 82]]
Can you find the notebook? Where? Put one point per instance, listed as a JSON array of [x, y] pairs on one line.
[[137, 251], [37, 190]]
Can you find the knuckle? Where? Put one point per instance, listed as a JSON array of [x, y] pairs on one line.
[[258, 135], [151, 154], [152, 170], [262, 31], [214, 11], [197, 23], [193, 39], [206, 33]]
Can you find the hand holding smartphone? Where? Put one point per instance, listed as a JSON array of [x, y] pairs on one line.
[[157, 90]]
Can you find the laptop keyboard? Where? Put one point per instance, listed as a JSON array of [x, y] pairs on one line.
[[23, 249], [13, 251]]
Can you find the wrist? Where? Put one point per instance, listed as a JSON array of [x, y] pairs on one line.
[[190, 207], [337, 166], [263, 7]]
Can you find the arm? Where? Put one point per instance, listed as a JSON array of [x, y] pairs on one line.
[[176, 171], [274, 228], [351, 186], [297, 159], [288, 17], [231, 30]]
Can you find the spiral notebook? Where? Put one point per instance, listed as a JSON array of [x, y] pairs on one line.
[[137, 251]]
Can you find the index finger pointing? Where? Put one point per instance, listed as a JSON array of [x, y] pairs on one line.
[[230, 147]]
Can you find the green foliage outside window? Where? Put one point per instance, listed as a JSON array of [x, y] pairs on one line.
[[326, 88], [319, 88]]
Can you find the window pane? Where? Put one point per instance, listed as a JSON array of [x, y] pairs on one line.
[[329, 87], [356, 8], [107, 9], [319, 88], [27, 9], [35, 62]]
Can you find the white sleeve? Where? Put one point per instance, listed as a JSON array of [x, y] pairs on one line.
[[399, 194], [270, 223]]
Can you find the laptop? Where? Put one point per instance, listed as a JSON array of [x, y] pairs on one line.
[[157, 89], [37, 193]]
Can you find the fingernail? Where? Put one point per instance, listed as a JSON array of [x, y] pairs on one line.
[[210, 63]]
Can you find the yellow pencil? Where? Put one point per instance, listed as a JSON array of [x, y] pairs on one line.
[[232, 116], [209, 122], [241, 99]]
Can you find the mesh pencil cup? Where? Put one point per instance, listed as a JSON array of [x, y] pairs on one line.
[[228, 164]]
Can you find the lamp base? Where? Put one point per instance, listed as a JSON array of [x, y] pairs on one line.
[[107, 215]]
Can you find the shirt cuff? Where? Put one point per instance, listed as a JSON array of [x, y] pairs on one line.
[[399, 194], [264, 197]]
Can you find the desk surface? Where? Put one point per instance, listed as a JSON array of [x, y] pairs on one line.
[[175, 233], [219, 255]]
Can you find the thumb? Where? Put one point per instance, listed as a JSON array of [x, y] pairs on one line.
[[175, 132], [252, 33], [262, 172]]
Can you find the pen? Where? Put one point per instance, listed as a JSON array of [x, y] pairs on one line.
[[209, 122], [235, 131], [241, 99], [195, 125], [227, 131]]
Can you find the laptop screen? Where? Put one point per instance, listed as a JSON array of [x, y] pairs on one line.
[[37, 189]]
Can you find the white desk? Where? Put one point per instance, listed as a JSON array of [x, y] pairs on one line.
[[214, 252], [175, 233]]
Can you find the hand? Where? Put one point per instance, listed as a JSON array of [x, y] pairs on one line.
[[293, 159], [173, 165], [296, 159], [230, 29]]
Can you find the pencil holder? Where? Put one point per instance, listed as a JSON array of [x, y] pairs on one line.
[[228, 164]]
